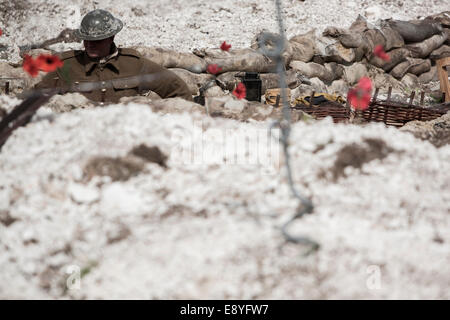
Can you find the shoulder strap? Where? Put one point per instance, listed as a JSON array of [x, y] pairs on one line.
[[129, 52], [69, 54]]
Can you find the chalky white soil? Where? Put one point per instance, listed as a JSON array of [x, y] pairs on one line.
[[208, 226], [185, 25]]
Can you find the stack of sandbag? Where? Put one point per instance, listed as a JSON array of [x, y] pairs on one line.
[[329, 62], [413, 47]]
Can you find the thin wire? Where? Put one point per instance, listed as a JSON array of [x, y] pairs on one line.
[[284, 125]]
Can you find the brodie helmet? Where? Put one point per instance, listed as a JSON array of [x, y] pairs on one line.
[[98, 25]]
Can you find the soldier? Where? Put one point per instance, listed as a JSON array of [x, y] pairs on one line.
[[105, 73]]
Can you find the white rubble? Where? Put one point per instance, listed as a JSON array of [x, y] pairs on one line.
[[208, 226], [187, 25]]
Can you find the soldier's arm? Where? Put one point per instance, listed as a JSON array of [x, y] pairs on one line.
[[50, 80], [167, 84]]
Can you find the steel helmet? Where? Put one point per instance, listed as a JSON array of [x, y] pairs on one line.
[[98, 25]]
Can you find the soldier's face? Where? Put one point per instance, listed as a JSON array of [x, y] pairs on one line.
[[98, 48]]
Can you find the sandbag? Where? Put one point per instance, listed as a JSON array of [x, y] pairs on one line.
[[327, 72], [411, 65], [331, 50], [396, 55], [359, 25], [193, 80], [411, 32], [389, 39], [418, 69], [385, 80], [410, 80], [439, 53], [348, 38], [424, 48], [303, 46], [173, 59], [272, 80], [214, 91], [447, 32], [318, 85], [248, 60], [443, 18], [340, 54], [339, 87], [20, 80], [229, 80], [353, 73], [351, 40], [271, 45], [431, 75], [333, 32]]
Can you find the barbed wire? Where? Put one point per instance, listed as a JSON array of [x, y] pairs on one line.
[[23, 113], [284, 124]]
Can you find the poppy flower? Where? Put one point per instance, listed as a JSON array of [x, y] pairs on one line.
[[358, 98], [380, 53], [30, 65], [240, 91], [48, 62], [213, 68], [225, 46], [1, 32], [365, 84]]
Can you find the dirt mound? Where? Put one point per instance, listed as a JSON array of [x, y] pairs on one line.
[[356, 155], [150, 154], [436, 131], [118, 169]]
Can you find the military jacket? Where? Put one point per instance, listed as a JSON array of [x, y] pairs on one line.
[[127, 73]]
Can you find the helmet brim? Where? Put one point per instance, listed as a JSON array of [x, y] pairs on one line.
[[88, 37]]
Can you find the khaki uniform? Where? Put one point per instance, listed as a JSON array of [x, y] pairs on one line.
[[125, 73]]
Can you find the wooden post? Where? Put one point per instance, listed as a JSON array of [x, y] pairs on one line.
[[277, 103], [411, 98], [389, 94], [443, 76], [311, 99]]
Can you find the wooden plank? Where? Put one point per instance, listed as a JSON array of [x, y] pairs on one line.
[[441, 65]]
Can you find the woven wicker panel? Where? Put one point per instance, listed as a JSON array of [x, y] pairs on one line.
[[391, 113], [396, 114], [339, 112]]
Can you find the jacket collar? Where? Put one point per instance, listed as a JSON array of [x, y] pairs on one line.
[[108, 60]]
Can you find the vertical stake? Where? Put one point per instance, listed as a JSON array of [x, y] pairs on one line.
[[389, 94]]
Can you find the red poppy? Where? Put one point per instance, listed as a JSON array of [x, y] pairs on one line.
[[240, 91], [225, 46], [30, 65], [48, 62], [213, 69], [380, 53], [358, 98], [365, 84], [1, 32]]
